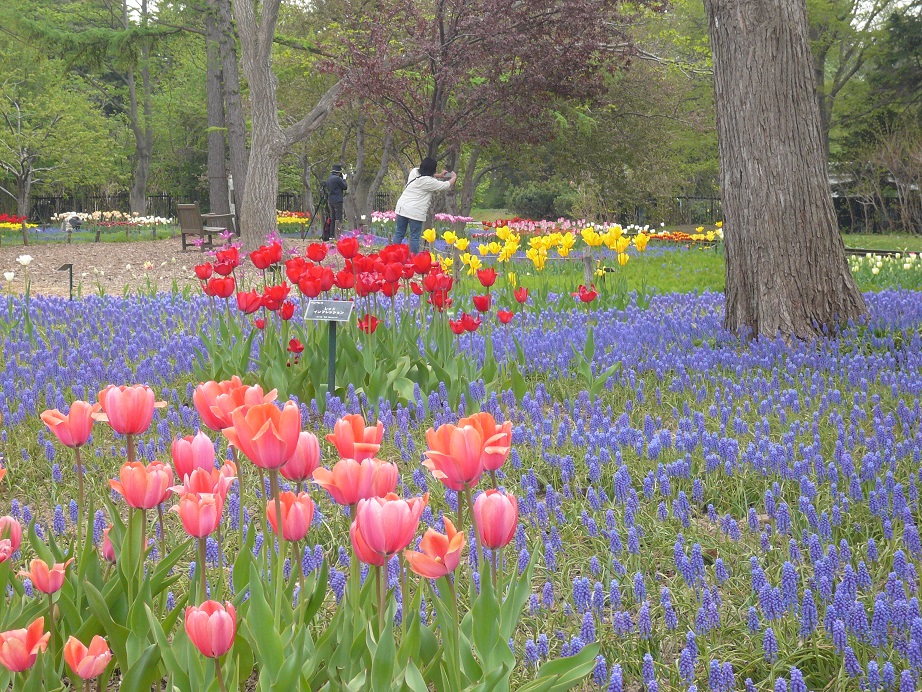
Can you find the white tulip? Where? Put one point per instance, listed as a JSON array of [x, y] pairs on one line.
[[24, 260], [875, 270], [9, 276]]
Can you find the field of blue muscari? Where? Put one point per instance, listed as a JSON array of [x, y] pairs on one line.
[[726, 515]]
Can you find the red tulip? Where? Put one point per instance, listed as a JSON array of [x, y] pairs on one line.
[[221, 288], [295, 346], [266, 435], [259, 323], [456, 326], [351, 480], [344, 280], [309, 286], [587, 295], [297, 514], [73, 429], [471, 323], [497, 439], [390, 289], [200, 513], [87, 662], [190, 453], [44, 578], [454, 455], [440, 554], [261, 258], [487, 277], [305, 460], [317, 251], [348, 247], [211, 627], [416, 287], [355, 441], [20, 648], [521, 294], [385, 525], [11, 529], [204, 271], [482, 303], [226, 261], [274, 296], [295, 268], [369, 323], [143, 487], [504, 316], [248, 302], [497, 517], [214, 401], [128, 410], [439, 300], [287, 311], [422, 262]]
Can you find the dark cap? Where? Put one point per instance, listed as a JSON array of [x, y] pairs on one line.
[[337, 168]]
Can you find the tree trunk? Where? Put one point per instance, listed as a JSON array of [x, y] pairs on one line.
[[379, 176], [233, 105], [469, 184], [307, 193], [218, 199], [786, 269], [23, 199]]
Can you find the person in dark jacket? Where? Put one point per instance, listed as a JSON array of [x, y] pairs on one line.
[[336, 186]]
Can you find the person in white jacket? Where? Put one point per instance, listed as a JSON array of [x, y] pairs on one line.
[[413, 205]]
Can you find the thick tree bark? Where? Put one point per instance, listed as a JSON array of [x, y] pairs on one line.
[[218, 199], [234, 119], [379, 176], [307, 192], [786, 269]]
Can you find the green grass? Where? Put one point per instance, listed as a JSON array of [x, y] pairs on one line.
[[491, 214], [877, 241]]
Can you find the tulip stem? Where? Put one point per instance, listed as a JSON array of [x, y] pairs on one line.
[[219, 675], [493, 478], [261, 493], [81, 495], [493, 556], [203, 585], [53, 630], [470, 504], [162, 531], [220, 563], [240, 521], [382, 599], [277, 575], [130, 449], [354, 574], [404, 594]]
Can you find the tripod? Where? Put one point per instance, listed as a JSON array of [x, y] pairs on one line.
[[321, 210]]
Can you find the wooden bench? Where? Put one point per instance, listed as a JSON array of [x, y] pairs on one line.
[[191, 225]]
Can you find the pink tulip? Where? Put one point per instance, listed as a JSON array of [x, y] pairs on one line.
[[143, 487], [351, 480], [386, 525], [108, 550], [215, 401], [305, 460], [497, 439], [268, 436], [73, 429], [355, 441], [190, 453], [297, 514], [128, 409], [6, 549], [454, 455], [497, 516], [12, 529], [212, 627], [214, 481], [200, 513], [44, 578], [87, 662], [20, 648]]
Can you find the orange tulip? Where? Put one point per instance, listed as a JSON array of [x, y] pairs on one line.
[[19, 648], [305, 460], [200, 513], [143, 487], [355, 441], [12, 529], [73, 429], [44, 578], [190, 453], [440, 554], [351, 480], [497, 516], [212, 627], [454, 455], [129, 410], [384, 526], [267, 436], [297, 514], [215, 401], [87, 662], [497, 439]]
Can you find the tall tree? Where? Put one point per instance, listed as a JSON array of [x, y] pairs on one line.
[[786, 269]]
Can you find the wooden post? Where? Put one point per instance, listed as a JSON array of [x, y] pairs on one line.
[[455, 264], [587, 269]]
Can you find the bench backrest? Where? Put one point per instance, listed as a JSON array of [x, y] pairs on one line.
[[190, 218]]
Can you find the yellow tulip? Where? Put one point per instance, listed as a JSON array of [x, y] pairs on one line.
[[640, 242], [474, 264], [429, 235], [710, 235], [483, 249], [567, 240], [616, 230], [511, 278], [450, 237], [466, 258], [462, 243], [719, 224], [622, 258], [563, 251], [700, 229], [446, 263], [622, 244], [494, 248]]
